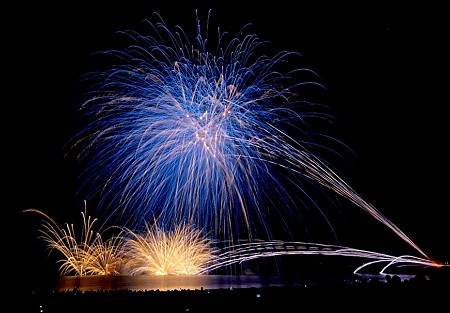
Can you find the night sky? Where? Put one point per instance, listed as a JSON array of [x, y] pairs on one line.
[[385, 69]]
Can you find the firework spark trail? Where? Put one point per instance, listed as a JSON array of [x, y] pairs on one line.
[[86, 254], [183, 250], [255, 250], [319, 172], [183, 135], [312, 167]]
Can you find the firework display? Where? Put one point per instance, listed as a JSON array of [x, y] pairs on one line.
[[190, 143]]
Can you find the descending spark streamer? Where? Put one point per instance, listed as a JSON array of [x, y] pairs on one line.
[[180, 134], [319, 172]]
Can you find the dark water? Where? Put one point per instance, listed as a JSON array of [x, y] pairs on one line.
[[165, 283]]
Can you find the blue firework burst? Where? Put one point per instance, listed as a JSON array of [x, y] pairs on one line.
[[176, 131]]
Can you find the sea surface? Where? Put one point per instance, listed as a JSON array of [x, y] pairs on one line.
[[174, 282]]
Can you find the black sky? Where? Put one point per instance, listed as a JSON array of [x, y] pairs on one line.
[[385, 67]]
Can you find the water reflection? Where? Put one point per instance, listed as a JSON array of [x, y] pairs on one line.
[[166, 283]]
